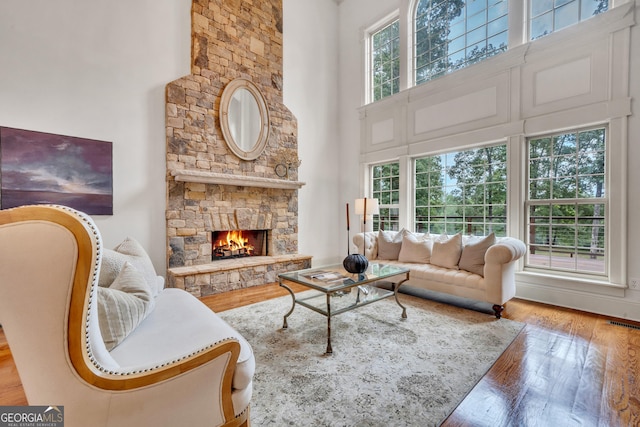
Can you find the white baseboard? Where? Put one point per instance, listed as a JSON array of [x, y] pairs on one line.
[[600, 304]]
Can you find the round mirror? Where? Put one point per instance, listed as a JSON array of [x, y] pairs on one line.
[[244, 119]]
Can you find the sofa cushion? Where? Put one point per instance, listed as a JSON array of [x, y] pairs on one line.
[[446, 251], [415, 248], [472, 258], [132, 251], [389, 244], [123, 305], [431, 273]]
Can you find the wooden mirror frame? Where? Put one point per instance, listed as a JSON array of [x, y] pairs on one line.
[[263, 136]]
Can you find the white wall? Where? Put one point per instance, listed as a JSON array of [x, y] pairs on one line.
[[311, 93], [98, 70], [354, 17]]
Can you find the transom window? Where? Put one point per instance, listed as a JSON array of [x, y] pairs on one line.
[[448, 35], [385, 61], [547, 16], [386, 188], [567, 202], [464, 191], [451, 34]]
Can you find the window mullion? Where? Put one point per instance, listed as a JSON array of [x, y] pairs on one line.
[[518, 28], [406, 36], [406, 176]]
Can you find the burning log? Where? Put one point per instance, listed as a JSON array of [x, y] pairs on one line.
[[234, 244]]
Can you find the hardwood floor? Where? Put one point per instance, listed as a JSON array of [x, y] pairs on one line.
[[566, 368]]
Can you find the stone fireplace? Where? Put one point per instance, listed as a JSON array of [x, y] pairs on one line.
[[209, 188]]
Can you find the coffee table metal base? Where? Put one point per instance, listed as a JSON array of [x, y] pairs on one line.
[[329, 313]]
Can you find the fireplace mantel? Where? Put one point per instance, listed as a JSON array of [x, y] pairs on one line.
[[207, 177]]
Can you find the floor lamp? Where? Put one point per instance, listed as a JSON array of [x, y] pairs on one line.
[[367, 208]]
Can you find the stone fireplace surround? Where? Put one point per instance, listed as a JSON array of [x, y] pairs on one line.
[[218, 207], [208, 187]]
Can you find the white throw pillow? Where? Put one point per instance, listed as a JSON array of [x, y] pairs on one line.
[[446, 251], [132, 251], [415, 248], [123, 305], [389, 244], [472, 258]]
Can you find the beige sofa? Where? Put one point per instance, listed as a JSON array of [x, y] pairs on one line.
[[479, 268]]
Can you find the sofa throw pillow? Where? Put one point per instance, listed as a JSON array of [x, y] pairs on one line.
[[415, 248], [472, 258], [123, 305], [132, 251], [389, 244], [446, 251]]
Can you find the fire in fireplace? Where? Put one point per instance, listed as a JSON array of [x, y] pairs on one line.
[[238, 243]]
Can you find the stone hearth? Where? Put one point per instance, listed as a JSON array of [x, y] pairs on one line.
[[208, 187], [227, 275]]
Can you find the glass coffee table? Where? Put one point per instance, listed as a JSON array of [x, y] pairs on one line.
[[340, 291]]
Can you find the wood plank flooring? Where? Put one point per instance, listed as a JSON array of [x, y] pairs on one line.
[[566, 368]]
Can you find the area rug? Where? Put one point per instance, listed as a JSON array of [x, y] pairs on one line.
[[384, 370]]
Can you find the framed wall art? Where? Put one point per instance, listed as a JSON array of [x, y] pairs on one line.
[[44, 168]]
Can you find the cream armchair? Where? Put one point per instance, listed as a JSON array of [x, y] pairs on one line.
[[182, 366]]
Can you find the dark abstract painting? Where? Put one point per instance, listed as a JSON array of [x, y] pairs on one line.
[[43, 168]]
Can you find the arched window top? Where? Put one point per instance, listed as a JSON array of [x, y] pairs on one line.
[[452, 34]]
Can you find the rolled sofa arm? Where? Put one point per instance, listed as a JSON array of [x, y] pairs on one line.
[[505, 250], [366, 244]]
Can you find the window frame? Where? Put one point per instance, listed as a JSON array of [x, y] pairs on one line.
[[378, 26], [466, 225], [466, 59], [552, 11], [551, 201], [372, 193]]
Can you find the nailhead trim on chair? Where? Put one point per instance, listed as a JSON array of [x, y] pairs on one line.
[[94, 281]]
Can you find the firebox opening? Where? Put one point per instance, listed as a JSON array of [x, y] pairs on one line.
[[238, 244]]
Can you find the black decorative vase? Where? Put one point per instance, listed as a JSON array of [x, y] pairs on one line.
[[355, 263]]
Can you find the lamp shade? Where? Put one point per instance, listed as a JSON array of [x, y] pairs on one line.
[[372, 207]]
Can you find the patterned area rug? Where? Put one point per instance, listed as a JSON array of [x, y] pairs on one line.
[[384, 371]]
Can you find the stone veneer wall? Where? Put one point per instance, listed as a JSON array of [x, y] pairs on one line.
[[230, 39]]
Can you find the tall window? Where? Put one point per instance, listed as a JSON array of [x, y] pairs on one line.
[[386, 188], [567, 202], [385, 61], [451, 34], [547, 16], [463, 191]]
